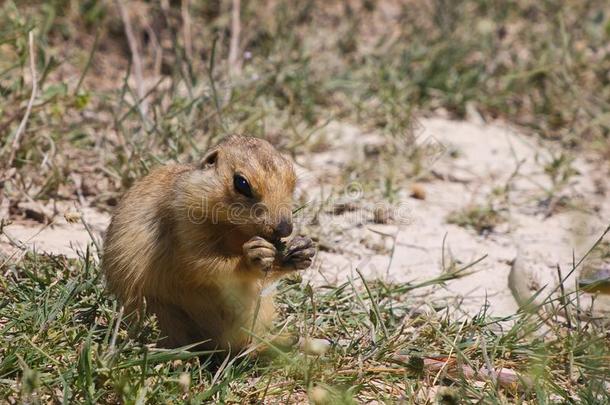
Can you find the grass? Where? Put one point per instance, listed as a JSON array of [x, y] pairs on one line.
[[95, 126], [65, 341], [298, 70], [482, 218]]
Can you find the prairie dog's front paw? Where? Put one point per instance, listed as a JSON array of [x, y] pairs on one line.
[[259, 253], [298, 254]]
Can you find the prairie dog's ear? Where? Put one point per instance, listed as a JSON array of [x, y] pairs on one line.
[[210, 159]]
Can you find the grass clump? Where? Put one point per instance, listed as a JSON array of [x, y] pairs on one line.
[[65, 341], [373, 63], [481, 218]]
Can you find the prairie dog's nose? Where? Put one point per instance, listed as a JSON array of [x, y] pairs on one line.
[[283, 228]]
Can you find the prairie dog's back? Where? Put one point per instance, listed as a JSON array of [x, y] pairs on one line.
[[139, 237]]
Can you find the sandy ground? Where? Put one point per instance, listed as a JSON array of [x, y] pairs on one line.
[[470, 162], [489, 157]]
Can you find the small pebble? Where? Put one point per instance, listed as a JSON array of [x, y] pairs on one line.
[[316, 347], [418, 191], [318, 395]]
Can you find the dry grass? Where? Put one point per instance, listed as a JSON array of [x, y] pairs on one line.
[[121, 92], [65, 341]]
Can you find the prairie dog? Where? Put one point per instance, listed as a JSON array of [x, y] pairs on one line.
[[200, 242]]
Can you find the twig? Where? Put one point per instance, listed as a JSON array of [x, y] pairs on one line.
[[14, 242], [234, 60], [505, 377], [257, 307], [158, 51], [39, 350], [89, 60], [115, 332], [187, 32], [449, 357], [490, 369], [135, 56], [23, 248], [376, 370], [91, 234], [562, 299], [213, 84], [28, 110]]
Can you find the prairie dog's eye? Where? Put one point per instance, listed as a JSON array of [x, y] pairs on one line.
[[242, 186]]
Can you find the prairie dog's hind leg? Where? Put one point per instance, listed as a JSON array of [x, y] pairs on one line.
[[177, 328]]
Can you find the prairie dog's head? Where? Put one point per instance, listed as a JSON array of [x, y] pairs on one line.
[[247, 183]]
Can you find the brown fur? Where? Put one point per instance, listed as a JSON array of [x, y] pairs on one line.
[[174, 242]]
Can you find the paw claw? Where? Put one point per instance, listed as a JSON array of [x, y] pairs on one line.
[[299, 254], [259, 253]]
